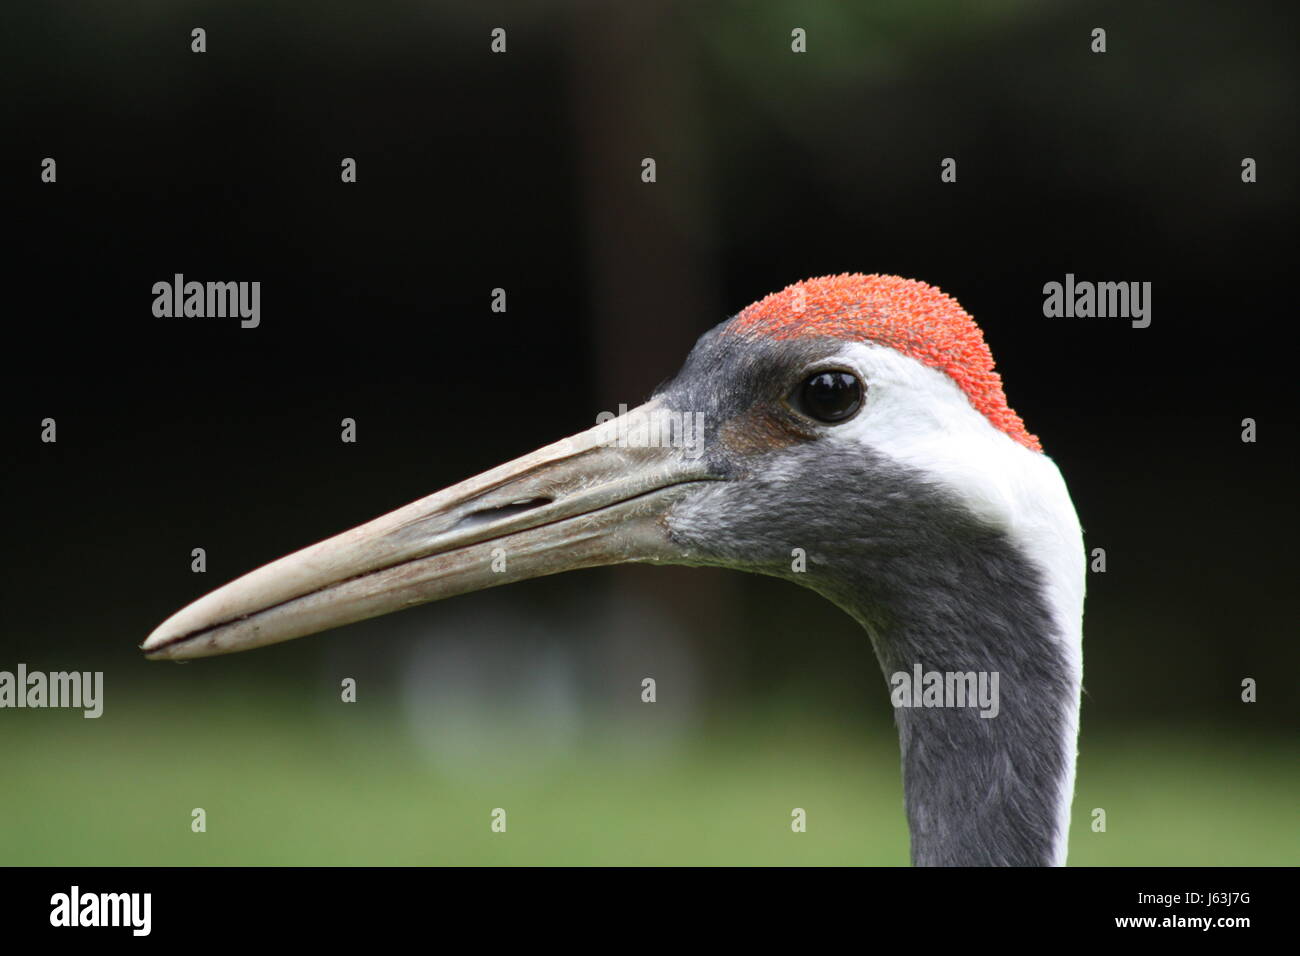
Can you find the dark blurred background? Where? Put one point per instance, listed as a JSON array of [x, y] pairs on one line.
[[522, 171]]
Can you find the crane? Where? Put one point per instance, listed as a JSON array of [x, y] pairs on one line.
[[856, 420]]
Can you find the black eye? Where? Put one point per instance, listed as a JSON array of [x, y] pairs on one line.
[[830, 396]]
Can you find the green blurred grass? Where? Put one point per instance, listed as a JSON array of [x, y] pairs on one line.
[[292, 786]]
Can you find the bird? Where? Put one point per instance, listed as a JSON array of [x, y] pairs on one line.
[[855, 420]]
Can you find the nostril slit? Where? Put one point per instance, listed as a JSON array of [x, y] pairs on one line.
[[485, 515]]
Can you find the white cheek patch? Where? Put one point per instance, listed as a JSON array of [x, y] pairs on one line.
[[918, 416]]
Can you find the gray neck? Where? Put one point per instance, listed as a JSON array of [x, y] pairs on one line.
[[933, 586], [986, 791]]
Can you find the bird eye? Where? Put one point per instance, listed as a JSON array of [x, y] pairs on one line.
[[830, 396]]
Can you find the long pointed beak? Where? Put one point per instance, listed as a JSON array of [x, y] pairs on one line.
[[586, 501]]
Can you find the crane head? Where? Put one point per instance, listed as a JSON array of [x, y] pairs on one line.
[[856, 419]]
